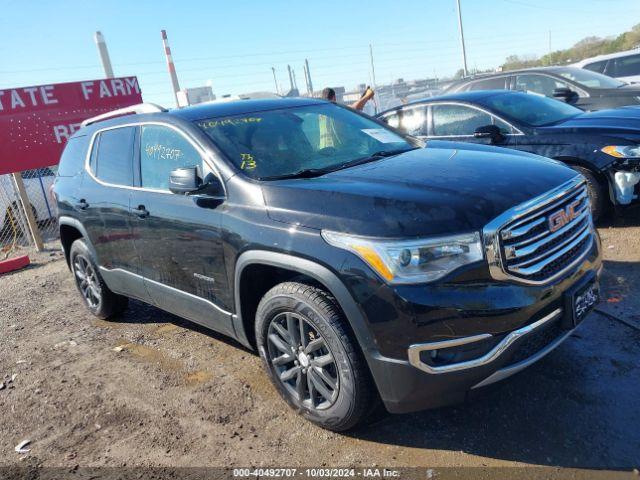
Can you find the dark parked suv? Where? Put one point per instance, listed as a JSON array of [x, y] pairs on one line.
[[362, 267]]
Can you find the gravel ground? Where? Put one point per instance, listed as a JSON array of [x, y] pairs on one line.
[[153, 390]]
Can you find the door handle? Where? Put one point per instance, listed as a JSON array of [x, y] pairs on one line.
[[141, 211], [82, 204]]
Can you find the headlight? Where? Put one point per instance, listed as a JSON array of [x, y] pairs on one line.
[[622, 151], [411, 261]]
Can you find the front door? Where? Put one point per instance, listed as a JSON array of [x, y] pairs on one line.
[[458, 122], [177, 237]]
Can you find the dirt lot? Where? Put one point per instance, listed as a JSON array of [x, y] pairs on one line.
[[150, 389]]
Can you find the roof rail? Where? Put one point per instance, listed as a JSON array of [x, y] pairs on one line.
[[133, 109]]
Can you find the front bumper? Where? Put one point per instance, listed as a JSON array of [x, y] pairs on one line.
[[414, 384]]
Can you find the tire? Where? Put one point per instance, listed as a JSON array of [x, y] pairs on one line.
[[331, 354], [596, 193], [100, 301]]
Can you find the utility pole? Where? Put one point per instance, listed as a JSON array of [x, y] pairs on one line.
[[549, 41], [172, 68], [295, 82], [306, 63], [104, 54], [275, 79], [464, 51]]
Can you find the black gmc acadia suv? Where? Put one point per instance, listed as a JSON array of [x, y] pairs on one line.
[[362, 267]]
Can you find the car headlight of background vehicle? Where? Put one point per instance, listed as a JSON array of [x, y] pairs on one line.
[[411, 261], [622, 151]]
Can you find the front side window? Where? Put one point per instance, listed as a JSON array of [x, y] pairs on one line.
[[627, 66], [540, 84], [456, 120], [285, 141], [113, 156], [163, 149]]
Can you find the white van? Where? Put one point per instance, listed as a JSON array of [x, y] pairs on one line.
[[621, 65]]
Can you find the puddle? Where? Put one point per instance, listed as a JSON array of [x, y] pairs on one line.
[[151, 355], [157, 357], [198, 377], [167, 328], [105, 324]]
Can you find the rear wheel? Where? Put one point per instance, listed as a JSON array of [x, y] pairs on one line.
[[312, 357], [101, 301], [596, 193]]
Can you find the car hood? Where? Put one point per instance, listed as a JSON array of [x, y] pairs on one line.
[[422, 192], [623, 121]]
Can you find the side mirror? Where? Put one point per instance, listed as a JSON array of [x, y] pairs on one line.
[[565, 94], [184, 180], [491, 132]]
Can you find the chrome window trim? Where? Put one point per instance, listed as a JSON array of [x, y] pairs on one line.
[[491, 240], [492, 355], [204, 155], [475, 107]]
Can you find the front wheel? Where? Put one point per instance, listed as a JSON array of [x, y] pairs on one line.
[[312, 357], [596, 193]]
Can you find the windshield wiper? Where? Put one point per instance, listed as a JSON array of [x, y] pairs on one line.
[[375, 156], [317, 172], [304, 173]]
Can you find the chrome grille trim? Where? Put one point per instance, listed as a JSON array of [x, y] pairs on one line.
[[519, 244]]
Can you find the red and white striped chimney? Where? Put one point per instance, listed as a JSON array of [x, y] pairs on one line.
[[171, 66]]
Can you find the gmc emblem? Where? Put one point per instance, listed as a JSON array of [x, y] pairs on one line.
[[563, 216]]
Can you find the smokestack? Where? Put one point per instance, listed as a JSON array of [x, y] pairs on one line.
[[104, 54], [290, 77], [306, 63], [171, 66]]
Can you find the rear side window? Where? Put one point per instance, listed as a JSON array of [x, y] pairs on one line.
[[73, 157], [488, 84], [597, 66], [411, 120], [114, 156], [627, 66]]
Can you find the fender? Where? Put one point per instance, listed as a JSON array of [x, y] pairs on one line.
[[384, 370], [72, 222], [310, 269]]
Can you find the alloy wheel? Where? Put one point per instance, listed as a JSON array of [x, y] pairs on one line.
[[302, 361], [87, 281]]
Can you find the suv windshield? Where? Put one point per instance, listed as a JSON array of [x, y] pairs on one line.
[[294, 141], [531, 109], [589, 79]]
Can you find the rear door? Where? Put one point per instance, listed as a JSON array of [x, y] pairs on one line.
[[103, 208], [178, 237]]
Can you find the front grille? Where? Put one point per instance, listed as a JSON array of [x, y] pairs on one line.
[[549, 237], [536, 341]]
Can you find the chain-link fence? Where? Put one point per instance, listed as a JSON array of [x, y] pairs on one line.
[[14, 224]]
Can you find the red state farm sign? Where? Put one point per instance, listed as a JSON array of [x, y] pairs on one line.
[[35, 122]]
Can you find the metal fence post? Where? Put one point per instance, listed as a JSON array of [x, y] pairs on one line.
[[26, 206]]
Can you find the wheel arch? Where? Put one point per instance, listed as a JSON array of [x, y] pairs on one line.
[[291, 267], [70, 231]]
